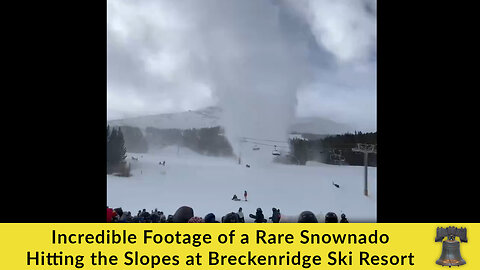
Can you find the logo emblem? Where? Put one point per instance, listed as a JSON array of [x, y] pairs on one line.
[[451, 247]]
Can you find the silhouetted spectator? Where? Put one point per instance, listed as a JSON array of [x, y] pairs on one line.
[[307, 217], [111, 214], [344, 219], [162, 217], [331, 217], [182, 215], [275, 215], [240, 215], [231, 218], [259, 218], [210, 218]]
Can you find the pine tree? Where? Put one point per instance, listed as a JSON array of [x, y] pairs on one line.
[[115, 148]]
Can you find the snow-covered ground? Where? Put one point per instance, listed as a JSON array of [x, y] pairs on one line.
[[207, 184]]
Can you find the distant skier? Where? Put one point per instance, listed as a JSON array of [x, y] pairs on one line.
[[248, 166], [336, 185], [245, 195], [235, 198]]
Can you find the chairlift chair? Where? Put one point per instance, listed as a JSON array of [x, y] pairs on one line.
[[275, 152]]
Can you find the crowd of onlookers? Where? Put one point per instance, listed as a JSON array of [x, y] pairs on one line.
[[185, 214]]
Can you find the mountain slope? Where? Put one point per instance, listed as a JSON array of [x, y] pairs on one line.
[[210, 117]]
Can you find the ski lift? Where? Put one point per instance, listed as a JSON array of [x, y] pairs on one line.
[[337, 159], [275, 152], [255, 148]]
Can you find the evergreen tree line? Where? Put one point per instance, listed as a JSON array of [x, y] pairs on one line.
[[135, 142], [206, 141], [116, 150], [333, 149]]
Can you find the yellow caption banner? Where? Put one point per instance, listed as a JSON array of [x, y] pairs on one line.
[[229, 246]]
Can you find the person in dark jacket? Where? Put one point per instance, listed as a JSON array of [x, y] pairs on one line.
[[231, 218], [344, 219], [331, 217], [259, 218], [210, 218], [163, 219], [307, 217], [136, 219], [240, 215], [245, 195], [169, 219], [126, 217], [145, 215], [275, 215], [183, 214], [155, 217], [119, 212]]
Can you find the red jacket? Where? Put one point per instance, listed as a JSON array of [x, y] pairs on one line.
[[110, 214]]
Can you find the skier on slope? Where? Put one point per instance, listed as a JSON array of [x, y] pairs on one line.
[[245, 195]]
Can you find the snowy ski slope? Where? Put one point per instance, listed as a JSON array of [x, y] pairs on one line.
[[207, 184]]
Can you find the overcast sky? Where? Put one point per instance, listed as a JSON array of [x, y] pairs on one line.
[[311, 57]]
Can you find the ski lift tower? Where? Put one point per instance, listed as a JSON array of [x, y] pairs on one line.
[[365, 149]]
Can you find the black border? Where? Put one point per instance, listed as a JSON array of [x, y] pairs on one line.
[[57, 66]]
